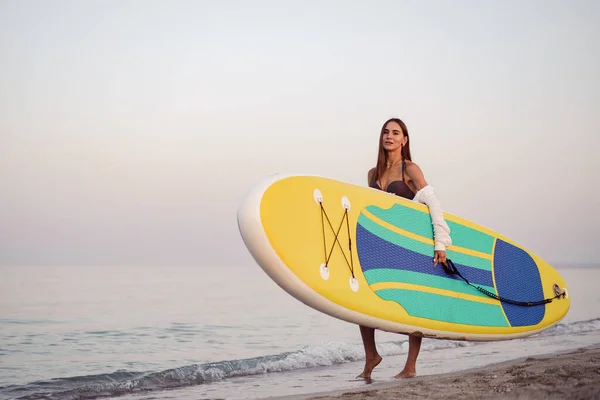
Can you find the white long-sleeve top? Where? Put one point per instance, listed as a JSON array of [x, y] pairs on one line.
[[441, 230]]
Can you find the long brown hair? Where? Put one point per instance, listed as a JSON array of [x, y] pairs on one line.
[[381, 155]]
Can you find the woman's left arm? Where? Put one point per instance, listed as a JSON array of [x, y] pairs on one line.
[[426, 195]]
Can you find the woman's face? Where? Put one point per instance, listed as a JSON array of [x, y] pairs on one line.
[[393, 137]]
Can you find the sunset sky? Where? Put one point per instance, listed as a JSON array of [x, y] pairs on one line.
[[130, 130]]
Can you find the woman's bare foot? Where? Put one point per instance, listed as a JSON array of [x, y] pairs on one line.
[[370, 364], [406, 373], [410, 368]]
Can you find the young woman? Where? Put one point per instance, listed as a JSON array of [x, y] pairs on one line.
[[396, 173]]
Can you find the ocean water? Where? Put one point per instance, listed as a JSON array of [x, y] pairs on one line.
[[207, 332]]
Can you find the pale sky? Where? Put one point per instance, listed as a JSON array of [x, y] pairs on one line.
[[130, 130]]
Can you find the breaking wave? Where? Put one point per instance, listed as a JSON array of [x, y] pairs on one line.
[[125, 382]]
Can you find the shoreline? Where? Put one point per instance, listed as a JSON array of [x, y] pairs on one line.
[[573, 374]]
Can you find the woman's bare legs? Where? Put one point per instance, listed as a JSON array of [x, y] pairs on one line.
[[372, 358], [410, 368]]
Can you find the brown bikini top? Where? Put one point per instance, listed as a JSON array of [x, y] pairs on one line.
[[399, 188]]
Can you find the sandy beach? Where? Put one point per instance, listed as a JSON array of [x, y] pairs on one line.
[[569, 375]]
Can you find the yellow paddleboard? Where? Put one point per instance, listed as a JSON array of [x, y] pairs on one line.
[[366, 256]]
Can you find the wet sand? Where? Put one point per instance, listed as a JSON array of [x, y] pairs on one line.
[[570, 375]]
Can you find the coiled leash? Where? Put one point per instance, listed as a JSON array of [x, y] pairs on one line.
[[451, 269]]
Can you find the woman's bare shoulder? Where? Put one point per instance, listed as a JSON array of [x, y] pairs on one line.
[[415, 175], [412, 166], [370, 173]]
